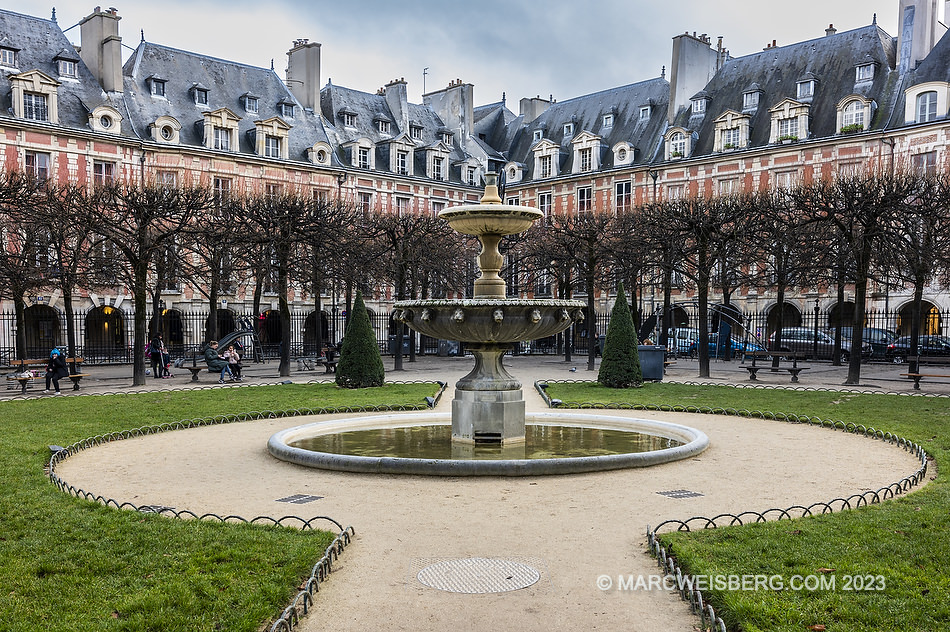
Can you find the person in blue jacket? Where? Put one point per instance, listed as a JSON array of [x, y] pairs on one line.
[[55, 370]]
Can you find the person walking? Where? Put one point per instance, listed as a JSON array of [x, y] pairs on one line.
[[55, 370]]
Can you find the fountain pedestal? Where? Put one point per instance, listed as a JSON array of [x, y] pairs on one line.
[[489, 404]]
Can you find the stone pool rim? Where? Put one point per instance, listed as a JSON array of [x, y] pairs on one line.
[[693, 442]]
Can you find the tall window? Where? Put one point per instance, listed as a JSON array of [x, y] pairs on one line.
[[383, 126], [201, 96], [402, 206], [103, 172], [157, 87], [415, 132], [545, 163], [272, 146], [585, 200], [544, 204], [37, 165], [675, 191], [437, 168], [363, 158], [272, 190], [222, 188], [730, 138], [365, 203], [35, 108], [586, 159], [568, 129], [853, 113], [470, 176], [624, 197], [250, 104], [222, 138], [437, 207], [926, 107], [925, 163], [402, 162]]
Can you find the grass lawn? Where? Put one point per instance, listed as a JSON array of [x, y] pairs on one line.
[[69, 564], [900, 544]]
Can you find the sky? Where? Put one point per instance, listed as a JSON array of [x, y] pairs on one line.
[[515, 48]]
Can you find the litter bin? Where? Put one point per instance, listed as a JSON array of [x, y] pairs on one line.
[[405, 345], [651, 362]]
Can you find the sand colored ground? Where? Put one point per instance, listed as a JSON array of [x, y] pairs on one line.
[[573, 529]]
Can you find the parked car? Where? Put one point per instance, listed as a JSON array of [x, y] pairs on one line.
[[928, 346], [879, 339], [739, 347], [801, 340], [681, 338]]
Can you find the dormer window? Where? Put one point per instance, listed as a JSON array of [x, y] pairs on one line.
[[349, 119], [568, 129], [447, 138], [608, 120], [382, 126], [415, 132], [8, 57], [250, 103], [362, 158], [201, 95], [35, 106], [644, 112], [806, 89], [68, 68], [750, 100], [864, 72], [156, 86], [285, 109], [678, 145], [538, 134], [699, 106]]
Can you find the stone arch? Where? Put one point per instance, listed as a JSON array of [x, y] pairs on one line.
[[931, 321], [104, 338], [792, 317], [43, 328]]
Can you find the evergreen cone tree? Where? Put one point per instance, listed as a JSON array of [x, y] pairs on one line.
[[360, 364], [620, 367]]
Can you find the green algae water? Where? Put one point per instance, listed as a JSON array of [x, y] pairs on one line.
[[435, 442]]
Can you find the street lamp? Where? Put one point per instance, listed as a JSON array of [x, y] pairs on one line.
[[654, 174], [340, 181]]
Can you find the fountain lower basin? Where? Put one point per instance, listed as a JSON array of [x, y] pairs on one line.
[[690, 440]]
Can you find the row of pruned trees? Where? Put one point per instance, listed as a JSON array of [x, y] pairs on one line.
[[148, 237], [844, 231]]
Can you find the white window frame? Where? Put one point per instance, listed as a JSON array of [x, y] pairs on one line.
[[538, 134], [568, 130], [103, 172], [472, 176], [402, 162], [699, 106], [272, 146], [438, 171], [349, 119], [545, 203], [201, 96], [930, 114], [36, 106], [68, 68], [415, 132], [805, 89], [37, 165], [864, 72], [608, 120], [222, 188], [750, 100], [383, 126], [584, 197], [8, 57], [644, 112], [623, 196], [287, 110], [788, 126], [678, 145], [251, 104], [363, 158], [222, 138], [731, 136], [586, 156], [853, 113], [156, 88]]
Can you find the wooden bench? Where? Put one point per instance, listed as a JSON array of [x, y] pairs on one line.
[[311, 363], [23, 367], [919, 375]]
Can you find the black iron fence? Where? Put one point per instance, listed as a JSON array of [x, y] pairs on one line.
[[104, 335]]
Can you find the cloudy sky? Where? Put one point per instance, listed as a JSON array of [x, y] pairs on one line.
[[523, 48]]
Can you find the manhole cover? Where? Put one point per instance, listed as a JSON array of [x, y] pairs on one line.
[[475, 575]]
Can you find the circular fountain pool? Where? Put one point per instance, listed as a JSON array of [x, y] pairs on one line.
[[555, 443]]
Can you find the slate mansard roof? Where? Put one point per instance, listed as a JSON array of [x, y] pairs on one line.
[[586, 113], [831, 61], [38, 43], [226, 82]]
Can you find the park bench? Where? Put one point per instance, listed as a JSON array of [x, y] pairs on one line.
[[26, 371], [792, 369], [926, 368], [312, 362]]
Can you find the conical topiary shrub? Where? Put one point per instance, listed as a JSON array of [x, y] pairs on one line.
[[360, 364], [620, 366]]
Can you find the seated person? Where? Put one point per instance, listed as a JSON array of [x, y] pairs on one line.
[[217, 362]]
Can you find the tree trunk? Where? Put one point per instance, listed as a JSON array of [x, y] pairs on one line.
[[140, 324]]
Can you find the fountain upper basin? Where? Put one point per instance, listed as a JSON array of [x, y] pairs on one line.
[[490, 321], [491, 219]]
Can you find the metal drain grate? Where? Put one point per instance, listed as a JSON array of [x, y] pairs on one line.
[[299, 499], [476, 575], [679, 493]]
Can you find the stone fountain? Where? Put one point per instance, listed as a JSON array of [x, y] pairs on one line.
[[489, 405]]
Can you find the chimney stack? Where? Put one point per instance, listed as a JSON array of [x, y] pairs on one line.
[[533, 108], [101, 47], [303, 73]]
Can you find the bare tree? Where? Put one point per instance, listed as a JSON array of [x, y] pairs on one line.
[[862, 208], [139, 221]]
